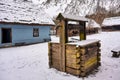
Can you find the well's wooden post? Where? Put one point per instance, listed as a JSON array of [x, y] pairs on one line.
[[63, 41], [82, 30]]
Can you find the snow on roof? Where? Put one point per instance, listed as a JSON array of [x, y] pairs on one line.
[[111, 21], [23, 12], [73, 17], [92, 23]]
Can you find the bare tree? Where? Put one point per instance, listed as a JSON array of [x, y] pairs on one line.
[[101, 13]]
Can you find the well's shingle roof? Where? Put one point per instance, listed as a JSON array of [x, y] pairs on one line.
[[72, 17]]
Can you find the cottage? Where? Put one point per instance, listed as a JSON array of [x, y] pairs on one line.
[[111, 24], [92, 27], [23, 23]]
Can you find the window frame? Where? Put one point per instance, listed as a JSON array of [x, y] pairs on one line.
[[35, 32]]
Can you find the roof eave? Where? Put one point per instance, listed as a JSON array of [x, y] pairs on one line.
[[37, 24]]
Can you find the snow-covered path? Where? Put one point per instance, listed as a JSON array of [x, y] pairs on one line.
[[31, 62]]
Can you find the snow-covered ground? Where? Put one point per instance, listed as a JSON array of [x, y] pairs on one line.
[[31, 62]]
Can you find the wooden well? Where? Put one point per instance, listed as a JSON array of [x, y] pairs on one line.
[[77, 58], [80, 58]]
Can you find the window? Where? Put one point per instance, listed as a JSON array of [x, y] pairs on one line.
[[35, 32]]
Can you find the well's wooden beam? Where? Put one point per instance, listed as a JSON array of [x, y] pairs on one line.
[[66, 31], [82, 30]]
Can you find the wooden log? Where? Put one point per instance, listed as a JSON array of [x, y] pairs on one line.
[[73, 65], [99, 50], [94, 66], [73, 71], [54, 55], [92, 50], [82, 51], [82, 58], [49, 54], [55, 63], [56, 66], [73, 60], [88, 56], [55, 45], [83, 74], [71, 47], [77, 55], [87, 71], [71, 51], [90, 62], [98, 44]]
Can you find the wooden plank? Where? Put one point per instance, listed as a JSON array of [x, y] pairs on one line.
[[55, 60], [73, 71], [85, 72], [98, 44], [72, 57], [88, 56], [49, 54], [77, 55], [73, 65], [82, 51], [92, 50], [71, 51], [55, 54], [54, 44], [91, 68], [56, 63], [69, 47], [56, 66], [73, 60], [63, 40], [90, 62]]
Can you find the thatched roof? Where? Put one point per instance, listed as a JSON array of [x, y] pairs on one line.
[[23, 12]]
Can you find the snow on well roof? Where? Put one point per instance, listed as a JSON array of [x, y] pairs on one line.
[[23, 12], [111, 21], [72, 17]]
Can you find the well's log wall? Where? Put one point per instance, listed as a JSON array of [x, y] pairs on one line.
[[79, 60]]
